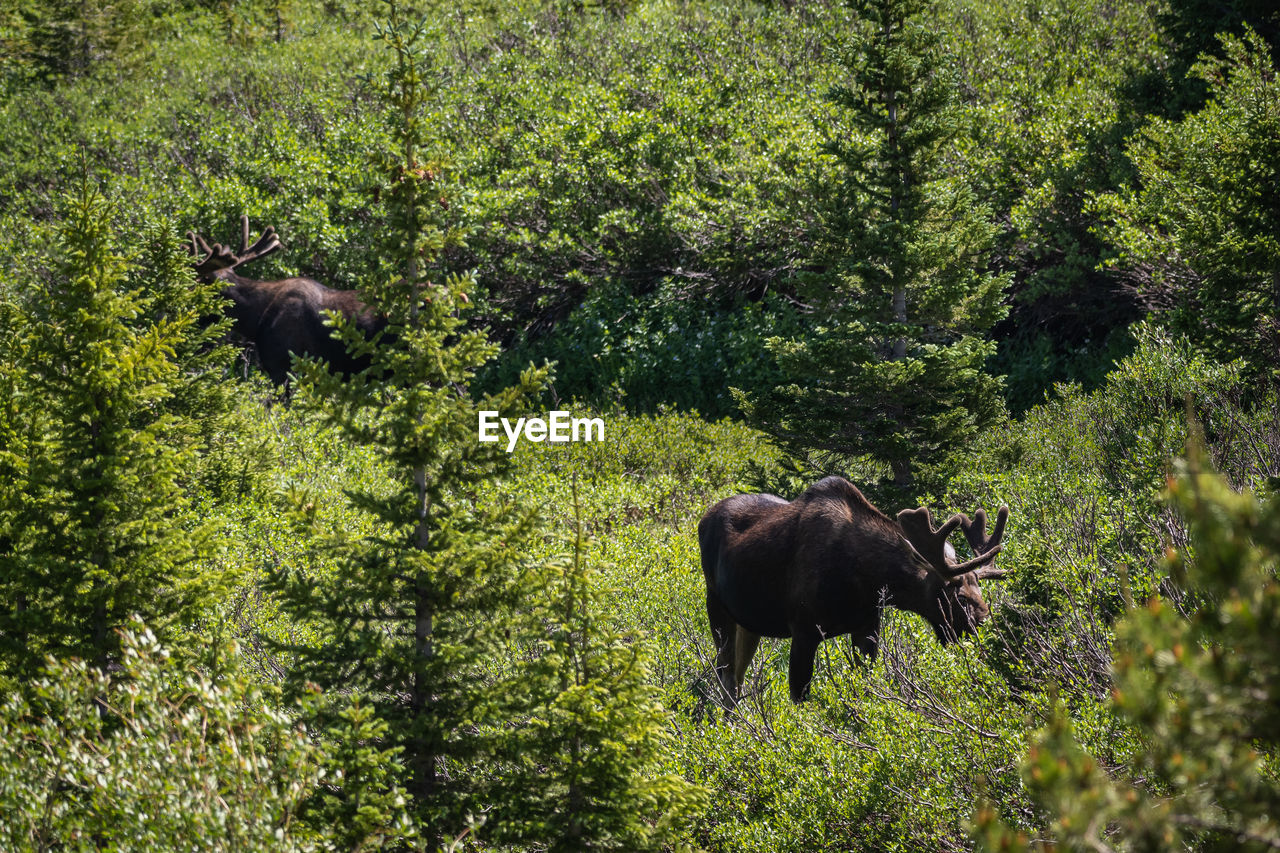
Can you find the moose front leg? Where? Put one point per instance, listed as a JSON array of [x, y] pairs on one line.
[[744, 648], [866, 643], [275, 359], [804, 646]]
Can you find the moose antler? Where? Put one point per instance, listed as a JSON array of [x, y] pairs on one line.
[[930, 543], [219, 257], [982, 545]]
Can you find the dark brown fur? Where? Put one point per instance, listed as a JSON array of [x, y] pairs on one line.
[[282, 318], [285, 318], [816, 567]]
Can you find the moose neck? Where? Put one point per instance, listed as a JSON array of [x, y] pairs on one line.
[[249, 299], [915, 588], [884, 564], [889, 566]]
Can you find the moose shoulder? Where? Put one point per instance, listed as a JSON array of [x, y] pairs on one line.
[[816, 567], [281, 318]]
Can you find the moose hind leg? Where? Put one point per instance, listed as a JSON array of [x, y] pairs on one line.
[[745, 644], [804, 647], [723, 634]]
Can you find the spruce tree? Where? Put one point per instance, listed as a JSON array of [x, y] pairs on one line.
[[94, 458], [422, 614], [588, 772], [509, 711], [892, 369]]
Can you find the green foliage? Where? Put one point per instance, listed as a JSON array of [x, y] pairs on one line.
[[887, 759], [893, 369], [247, 21], [668, 151], [1034, 361], [672, 148], [1198, 677], [362, 805], [152, 757], [636, 188], [696, 180], [1200, 231], [230, 457], [99, 451], [655, 349], [593, 752]]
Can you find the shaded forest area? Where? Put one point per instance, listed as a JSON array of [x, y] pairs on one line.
[[965, 254]]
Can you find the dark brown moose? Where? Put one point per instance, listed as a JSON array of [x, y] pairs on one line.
[[817, 567], [281, 318]]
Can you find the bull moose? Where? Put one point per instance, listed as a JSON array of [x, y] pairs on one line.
[[281, 318], [816, 567]]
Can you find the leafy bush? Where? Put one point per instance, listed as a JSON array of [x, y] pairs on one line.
[[152, 757], [1198, 237], [1083, 476], [1200, 683], [1055, 91], [657, 349]]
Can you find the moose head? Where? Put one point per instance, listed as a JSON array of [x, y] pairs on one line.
[[954, 603], [820, 566], [281, 318]]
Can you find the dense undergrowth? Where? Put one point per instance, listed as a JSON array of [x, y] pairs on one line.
[[628, 181], [894, 757]]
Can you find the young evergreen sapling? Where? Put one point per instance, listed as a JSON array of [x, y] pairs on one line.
[[100, 456], [892, 369]]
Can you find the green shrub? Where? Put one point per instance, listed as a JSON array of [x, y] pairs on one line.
[[1083, 476], [657, 349], [1198, 679], [1197, 237], [152, 756]]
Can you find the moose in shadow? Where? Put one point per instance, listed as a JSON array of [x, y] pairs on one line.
[[282, 318], [817, 567]]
